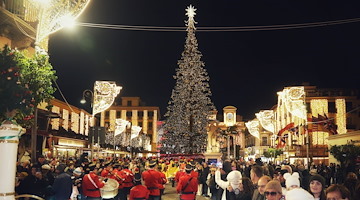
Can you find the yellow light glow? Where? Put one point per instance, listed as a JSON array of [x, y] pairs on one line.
[[320, 138], [295, 101], [319, 107], [341, 116], [55, 123], [53, 15]]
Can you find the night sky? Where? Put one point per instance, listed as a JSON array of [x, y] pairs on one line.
[[246, 69]]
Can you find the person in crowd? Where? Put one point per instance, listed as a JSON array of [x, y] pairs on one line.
[[259, 192], [62, 186], [152, 179], [33, 183], [127, 183], [188, 185], [23, 166], [233, 179], [49, 178], [298, 194], [91, 184], [292, 180], [337, 192], [305, 179], [199, 169], [255, 173], [170, 173], [41, 160], [138, 192], [317, 187], [222, 172], [77, 180], [210, 182], [244, 191], [163, 181], [203, 178], [351, 181], [273, 190]]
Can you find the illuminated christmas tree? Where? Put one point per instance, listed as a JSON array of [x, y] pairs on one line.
[[190, 104]]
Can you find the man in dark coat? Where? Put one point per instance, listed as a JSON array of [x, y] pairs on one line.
[[62, 184]]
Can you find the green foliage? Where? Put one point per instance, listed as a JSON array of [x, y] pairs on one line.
[[25, 83], [272, 153], [346, 154]]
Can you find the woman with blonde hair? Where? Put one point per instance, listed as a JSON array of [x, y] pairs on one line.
[[273, 190]]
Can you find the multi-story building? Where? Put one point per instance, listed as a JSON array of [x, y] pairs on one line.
[[132, 110], [340, 106]]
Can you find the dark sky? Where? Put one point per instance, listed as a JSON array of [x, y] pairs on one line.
[[246, 69]]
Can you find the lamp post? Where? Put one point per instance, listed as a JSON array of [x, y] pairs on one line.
[[90, 95], [103, 97]]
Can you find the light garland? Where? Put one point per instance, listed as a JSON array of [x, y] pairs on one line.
[[75, 122], [55, 123], [341, 116], [54, 15], [320, 138], [319, 107], [266, 119], [253, 127], [104, 95]]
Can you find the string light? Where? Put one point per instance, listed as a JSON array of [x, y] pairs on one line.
[[266, 119], [340, 115], [319, 107]]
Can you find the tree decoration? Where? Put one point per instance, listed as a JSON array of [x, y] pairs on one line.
[[25, 83], [190, 104]]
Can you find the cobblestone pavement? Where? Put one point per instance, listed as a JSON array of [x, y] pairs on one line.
[[170, 194]]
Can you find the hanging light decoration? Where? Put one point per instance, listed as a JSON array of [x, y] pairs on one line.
[[253, 127], [341, 115], [295, 101], [319, 107], [135, 130], [55, 15], [120, 126], [104, 95], [266, 119]]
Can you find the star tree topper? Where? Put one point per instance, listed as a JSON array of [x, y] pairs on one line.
[[190, 12]]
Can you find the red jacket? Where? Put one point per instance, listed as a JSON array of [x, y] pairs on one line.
[[187, 191], [152, 181], [163, 180], [92, 188], [139, 191], [179, 174], [119, 177], [128, 178]]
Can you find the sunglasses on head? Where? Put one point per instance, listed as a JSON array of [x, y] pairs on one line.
[[270, 193]]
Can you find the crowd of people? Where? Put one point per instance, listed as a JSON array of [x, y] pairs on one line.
[[145, 178]]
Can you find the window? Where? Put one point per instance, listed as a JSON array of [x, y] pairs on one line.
[[118, 114], [128, 113], [150, 125], [107, 114], [140, 124], [129, 103], [140, 114], [150, 113], [331, 107], [264, 141]]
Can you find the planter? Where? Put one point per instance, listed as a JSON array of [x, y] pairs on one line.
[[9, 139]]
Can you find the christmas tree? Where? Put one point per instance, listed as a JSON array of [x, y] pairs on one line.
[[185, 129]]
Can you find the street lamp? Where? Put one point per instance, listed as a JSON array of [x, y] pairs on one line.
[[102, 98]]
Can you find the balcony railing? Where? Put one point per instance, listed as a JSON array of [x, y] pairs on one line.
[[24, 9]]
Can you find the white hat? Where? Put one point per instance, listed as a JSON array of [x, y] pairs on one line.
[[298, 194], [292, 180], [77, 171], [46, 166], [234, 178]]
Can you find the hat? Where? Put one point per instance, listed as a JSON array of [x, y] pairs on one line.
[[46, 167], [234, 178], [188, 167], [61, 167], [319, 178], [292, 180], [137, 177], [137, 170], [152, 163], [298, 194], [77, 171]]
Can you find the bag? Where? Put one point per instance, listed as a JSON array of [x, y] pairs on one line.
[[211, 182]]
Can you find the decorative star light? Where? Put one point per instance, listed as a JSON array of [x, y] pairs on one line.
[[190, 11]]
